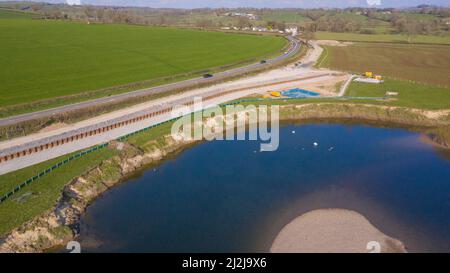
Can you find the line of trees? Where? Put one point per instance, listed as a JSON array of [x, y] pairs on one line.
[[413, 26], [113, 15], [333, 20]]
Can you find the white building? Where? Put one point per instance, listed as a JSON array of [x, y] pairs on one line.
[[292, 30], [250, 16], [259, 29], [73, 2]]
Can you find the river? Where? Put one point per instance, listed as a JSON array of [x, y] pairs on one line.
[[227, 196]]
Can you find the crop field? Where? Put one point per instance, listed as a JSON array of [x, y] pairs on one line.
[[388, 38], [45, 59], [352, 16], [14, 14], [284, 16], [420, 63]]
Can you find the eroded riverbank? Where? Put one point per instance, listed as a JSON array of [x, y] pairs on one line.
[[61, 223]]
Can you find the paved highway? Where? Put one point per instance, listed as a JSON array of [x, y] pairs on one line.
[[293, 49], [25, 151]]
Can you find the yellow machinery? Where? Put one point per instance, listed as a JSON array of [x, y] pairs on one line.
[[368, 74], [275, 94], [378, 77]]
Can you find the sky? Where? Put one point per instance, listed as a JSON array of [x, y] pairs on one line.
[[255, 3]]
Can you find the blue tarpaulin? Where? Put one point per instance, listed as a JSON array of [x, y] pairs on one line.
[[299, 93]]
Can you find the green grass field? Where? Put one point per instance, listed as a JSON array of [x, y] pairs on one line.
[[43, 194], [284, 16], [351, 16], [15, 14], [409, 94], [389, 38], [47, 59], [421, 63]]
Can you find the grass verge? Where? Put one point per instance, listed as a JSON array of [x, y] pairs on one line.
[[43, 194], [389, 38]]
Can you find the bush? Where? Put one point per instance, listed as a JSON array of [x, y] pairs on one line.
[[367, 31]]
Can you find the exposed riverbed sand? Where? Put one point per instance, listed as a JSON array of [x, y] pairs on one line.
[[333, 230]]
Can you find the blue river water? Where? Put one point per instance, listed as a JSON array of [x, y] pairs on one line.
[[227, 196]]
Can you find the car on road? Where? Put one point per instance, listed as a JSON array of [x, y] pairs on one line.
[[263, 62], [206, 76]]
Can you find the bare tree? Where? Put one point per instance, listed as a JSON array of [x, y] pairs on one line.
[[243, 22], [100, 14], [411, 30], [162, 20], [36, 7], [90, 12], [308, 35], [53, 13], [281, 26], [204, 23], [271, 24]]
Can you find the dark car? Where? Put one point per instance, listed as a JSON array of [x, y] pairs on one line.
[[263, 61], [207, 76]]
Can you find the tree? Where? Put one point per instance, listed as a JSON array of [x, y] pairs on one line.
[[204, 23], [162, 20], [315, 14], [100, 14], [271, 24], [281, 26], [308, 35], [410, 29], [90, 12], [36, 7], [312, 27], [243, 22]]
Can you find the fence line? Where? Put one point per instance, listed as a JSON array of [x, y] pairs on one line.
[[122, 138], [79, 155], [71, 158]]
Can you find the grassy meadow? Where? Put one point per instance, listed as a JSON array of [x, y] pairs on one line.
[[383, 37], [420, 63], [15, 14], [40, 196], [47, 58], [284, 16], [410, 94], [43, 194], [418, 73]]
